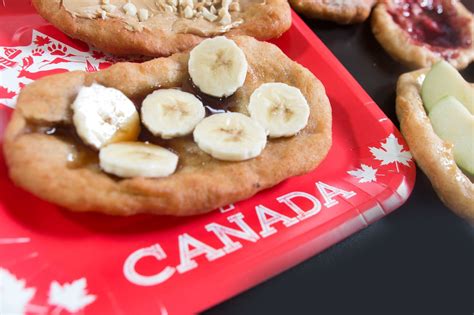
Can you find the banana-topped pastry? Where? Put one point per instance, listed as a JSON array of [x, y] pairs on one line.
[[436, 112], [163, 27], [180, 135]]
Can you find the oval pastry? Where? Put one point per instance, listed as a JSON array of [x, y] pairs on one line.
[[419, 33], [340, 11], [163, 27], [433, 155], [45, 156]]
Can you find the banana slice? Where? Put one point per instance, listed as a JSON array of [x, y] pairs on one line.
[[171, 113], [281, 109], [230, 137], [104, 115], [218, 66], [137, 159]]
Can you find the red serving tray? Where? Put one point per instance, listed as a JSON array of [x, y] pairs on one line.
[[56, 262]]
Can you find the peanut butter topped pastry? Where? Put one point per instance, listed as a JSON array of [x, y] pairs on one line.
[[163, 27]]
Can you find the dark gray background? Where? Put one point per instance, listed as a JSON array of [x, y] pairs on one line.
[[418, 260]]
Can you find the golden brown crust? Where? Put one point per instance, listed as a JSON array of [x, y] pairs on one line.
[[343, 12], [402, 48], [262, 22], [433, 155], [38, 162]]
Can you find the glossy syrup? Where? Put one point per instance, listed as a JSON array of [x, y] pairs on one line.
[[213, 105], [80, 156]]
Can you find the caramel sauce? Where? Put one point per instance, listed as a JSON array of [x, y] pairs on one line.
[[188, 152], [213, 105], [81, 155]]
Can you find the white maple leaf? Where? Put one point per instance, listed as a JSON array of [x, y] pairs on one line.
[[70, 296], [14, 295], [391, 152], [365, 174]]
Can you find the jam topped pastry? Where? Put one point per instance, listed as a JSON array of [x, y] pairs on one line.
[[163, 27], [422, 32], [132, 139], [433, 22]]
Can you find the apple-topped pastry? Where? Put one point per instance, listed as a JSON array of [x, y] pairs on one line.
[[436, 112], [449, 101], [180, 135]]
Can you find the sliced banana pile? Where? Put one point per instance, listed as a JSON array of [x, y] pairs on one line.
[[108, 121]]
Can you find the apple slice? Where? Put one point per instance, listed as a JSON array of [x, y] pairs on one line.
[[453, 123], [444, 80]]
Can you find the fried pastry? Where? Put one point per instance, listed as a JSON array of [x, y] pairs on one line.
[[340, 11], [225, 159], [439, 132], [419, 33], [163, 27]]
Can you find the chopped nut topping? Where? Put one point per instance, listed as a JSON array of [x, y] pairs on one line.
[[208, 15], [221, 12], [109, 8], [169, 8], [234, 7], [213, 10], [173, 3], [130, 9], [187, 3], [224, 16], [188, 12], [143, 15]]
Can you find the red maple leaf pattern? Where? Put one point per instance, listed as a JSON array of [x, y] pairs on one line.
[[41, 41], [97, 54], [5, 93]]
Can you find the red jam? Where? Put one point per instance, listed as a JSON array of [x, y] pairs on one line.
[[432, 22]]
